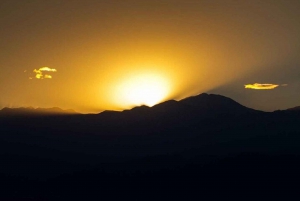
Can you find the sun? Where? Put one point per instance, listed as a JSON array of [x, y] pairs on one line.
[[143, 89]]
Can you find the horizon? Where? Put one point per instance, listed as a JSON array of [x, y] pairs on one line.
[[136, 106]]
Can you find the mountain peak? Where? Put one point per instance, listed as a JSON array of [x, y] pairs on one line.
[[214, 102], [202, 105]]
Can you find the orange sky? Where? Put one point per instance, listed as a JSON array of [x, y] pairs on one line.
[[106, 52]]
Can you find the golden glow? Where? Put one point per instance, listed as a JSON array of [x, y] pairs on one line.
[[141, 89], [261, 86], [115, 52]]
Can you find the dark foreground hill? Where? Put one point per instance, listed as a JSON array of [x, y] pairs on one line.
[[207, 146]]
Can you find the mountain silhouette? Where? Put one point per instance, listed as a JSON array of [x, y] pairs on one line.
[[201, 141], [201, 103], [294, 109], [184, 112], [216, 103], [29, 111]]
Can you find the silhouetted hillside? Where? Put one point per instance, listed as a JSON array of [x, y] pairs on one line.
[[205, 144], [202, 103], [294, 109], [215, 103], [175, 113]]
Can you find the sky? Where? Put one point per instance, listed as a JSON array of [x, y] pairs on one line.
[[94, 55]]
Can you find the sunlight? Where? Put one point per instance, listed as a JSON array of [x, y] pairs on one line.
[[144, 89]]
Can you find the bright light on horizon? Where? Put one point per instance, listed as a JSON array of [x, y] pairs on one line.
[[142, 89]]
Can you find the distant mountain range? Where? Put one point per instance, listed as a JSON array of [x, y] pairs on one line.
[[34, 111], [202, 104]]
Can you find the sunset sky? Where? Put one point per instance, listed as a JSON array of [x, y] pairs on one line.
[[94, 55]]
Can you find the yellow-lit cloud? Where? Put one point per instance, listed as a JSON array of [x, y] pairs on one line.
[[39, 72], [261, 86], [47, 69]]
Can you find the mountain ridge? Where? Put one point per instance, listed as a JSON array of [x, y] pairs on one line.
[[203, 103], [297, 108], [35, 111]]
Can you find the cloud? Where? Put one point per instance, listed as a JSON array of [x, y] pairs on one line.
[[261, 86], [39, 73], [47, 69]]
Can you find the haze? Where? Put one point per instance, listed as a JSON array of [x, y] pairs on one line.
[[104, 50]]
